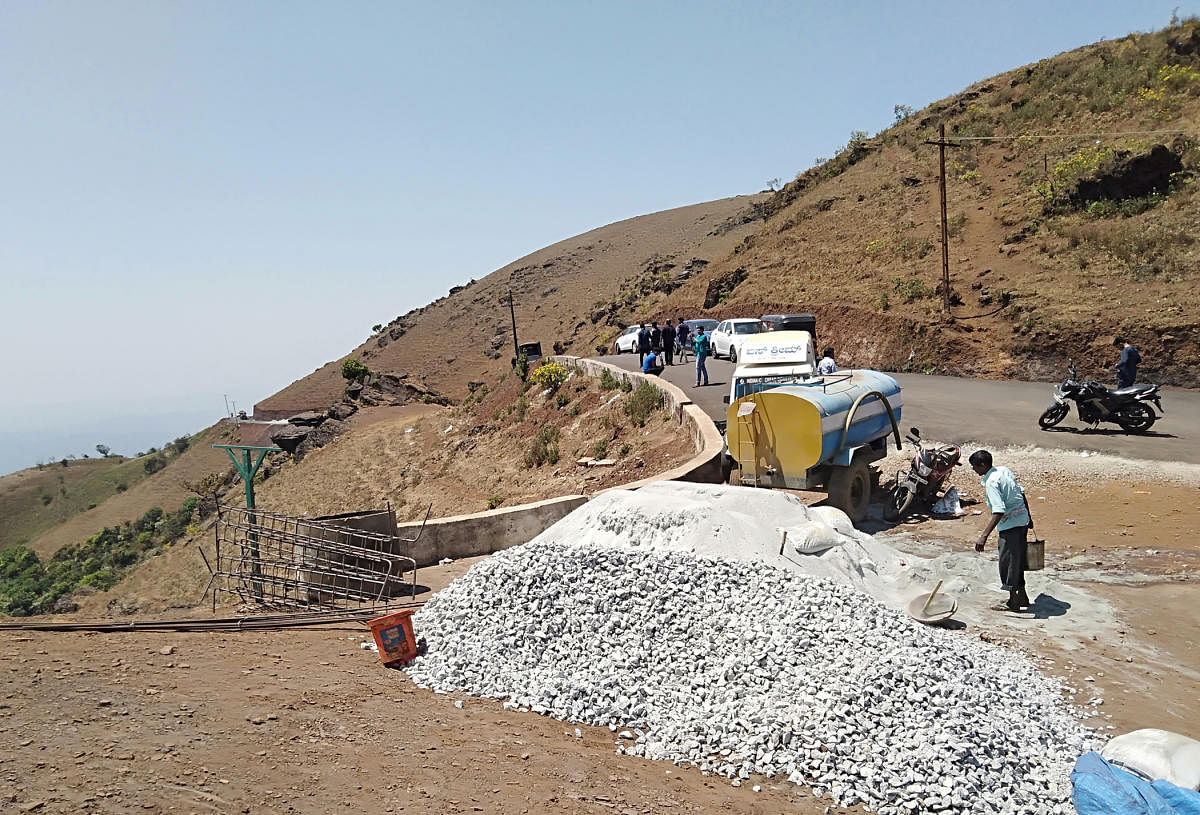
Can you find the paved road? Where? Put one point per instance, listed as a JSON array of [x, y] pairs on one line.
[[990, 412]]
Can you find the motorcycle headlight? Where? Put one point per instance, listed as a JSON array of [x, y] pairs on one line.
[[923, 469]]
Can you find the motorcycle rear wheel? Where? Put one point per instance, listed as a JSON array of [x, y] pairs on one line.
[[1053, 415], [1134, 418], [899, 502]]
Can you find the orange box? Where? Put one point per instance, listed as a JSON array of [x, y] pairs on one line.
[[394, 635]]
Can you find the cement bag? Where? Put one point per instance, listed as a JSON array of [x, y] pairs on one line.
[[813, 538], [832, 516], [1155, 754]]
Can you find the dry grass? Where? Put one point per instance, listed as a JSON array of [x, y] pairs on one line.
[[462, 459]]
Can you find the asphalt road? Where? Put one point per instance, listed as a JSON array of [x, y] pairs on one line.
[[990, 413]]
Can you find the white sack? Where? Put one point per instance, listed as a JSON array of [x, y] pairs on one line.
[[1157, 754], [813, 537], [949, 504]]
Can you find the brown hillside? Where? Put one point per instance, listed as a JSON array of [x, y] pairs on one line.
[[163, 489], [466, 336], [857, 239]]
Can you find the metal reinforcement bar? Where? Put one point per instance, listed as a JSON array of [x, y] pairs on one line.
[[246, 623], [278, 560]]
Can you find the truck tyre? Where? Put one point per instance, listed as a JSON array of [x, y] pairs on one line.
[[850, 489]]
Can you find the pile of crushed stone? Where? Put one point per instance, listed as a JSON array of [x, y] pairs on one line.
[[743, 668]]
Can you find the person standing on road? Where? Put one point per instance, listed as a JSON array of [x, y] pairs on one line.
[[668, 343], [701, 347], [827, 365], [1128, 365], [1010, 515], [683, 336], [643, 343], [655, 337]]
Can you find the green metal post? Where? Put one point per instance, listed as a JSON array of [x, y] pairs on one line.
[[247, 471]]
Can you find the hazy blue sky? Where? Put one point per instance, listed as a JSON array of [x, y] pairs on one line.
[[212, 198]]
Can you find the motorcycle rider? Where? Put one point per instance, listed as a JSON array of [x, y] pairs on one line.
[[1127, 366], [1010, 513]]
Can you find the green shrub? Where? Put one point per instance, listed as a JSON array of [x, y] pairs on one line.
[[624, 451], [561, 400], [574, 411], [608, 382], [353, 369], [544, 447], [600, 449], [550, 375], [494, 502], [910, 288], [626, 386], [519, 409], [644, 401]]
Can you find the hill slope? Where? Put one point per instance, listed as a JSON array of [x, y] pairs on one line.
[[1061, 236], [466, 336], [1041, 268]]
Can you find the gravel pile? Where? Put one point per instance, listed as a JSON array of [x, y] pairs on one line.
[[742, 668]]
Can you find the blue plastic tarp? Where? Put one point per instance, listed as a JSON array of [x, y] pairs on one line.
[[1099, 788]]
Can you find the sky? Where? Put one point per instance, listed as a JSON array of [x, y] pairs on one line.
[[210, 200]]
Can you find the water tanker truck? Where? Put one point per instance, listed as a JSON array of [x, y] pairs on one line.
[[789, 427]]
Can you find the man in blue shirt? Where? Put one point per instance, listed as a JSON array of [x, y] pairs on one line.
[[1127, 367], [652, 364], [1010, 515]]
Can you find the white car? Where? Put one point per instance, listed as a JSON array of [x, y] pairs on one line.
[[727, 336], [626, 342]]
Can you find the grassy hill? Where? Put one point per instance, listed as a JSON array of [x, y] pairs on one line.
[[37, 499], [1041, 269]]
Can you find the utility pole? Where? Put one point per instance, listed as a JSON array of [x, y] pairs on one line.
[[512, 313], [942, 145]]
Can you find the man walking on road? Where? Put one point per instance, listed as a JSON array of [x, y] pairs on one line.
[[1127, 367], [1010, 514], [701, 347], [668, 342]]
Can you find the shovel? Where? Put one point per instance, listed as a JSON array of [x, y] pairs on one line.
[[931, 608]]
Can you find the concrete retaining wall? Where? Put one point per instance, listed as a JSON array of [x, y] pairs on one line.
[[483, 533]]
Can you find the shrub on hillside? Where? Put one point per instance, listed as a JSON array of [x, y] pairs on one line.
[[645, 400], [608, 382], [544, 448], [549, 375], [353, 369]]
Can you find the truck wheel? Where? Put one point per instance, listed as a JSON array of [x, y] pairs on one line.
[[850, 489]]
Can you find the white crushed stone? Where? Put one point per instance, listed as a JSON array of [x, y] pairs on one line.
[[690, 632]]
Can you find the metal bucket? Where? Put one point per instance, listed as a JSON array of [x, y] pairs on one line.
[[1035, 555]]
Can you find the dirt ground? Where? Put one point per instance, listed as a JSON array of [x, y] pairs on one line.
[[306, 721]]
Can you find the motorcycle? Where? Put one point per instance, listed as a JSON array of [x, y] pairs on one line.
[[1127, 407], [927, 474]]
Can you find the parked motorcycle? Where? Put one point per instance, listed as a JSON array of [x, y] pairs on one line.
[[1128, 407], [926, 476]]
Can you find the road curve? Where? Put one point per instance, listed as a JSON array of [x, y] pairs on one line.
[[989, 412]]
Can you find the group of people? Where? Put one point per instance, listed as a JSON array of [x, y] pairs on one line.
[[657, 347]]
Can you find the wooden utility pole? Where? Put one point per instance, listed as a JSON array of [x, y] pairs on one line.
[[512, 313], [942, 145]]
